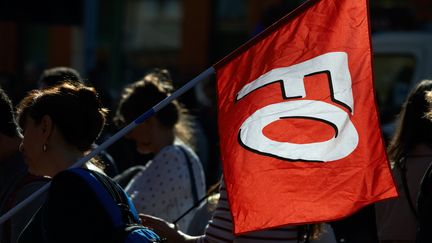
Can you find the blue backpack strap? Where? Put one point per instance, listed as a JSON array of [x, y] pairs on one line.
[[101, 192], [128, 211], [118, 205]]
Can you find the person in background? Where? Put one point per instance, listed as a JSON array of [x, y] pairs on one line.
[[53, 76], [410, 153], [173, 181], [16, 183], [12, 165], [424, 200]]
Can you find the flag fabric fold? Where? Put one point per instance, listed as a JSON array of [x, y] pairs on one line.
[[298, 125]]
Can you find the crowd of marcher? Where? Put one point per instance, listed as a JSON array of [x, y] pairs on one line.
[[162, 165]]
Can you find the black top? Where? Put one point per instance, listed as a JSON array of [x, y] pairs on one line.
[[71, 213], [424, 206], [12, 170], [357, 228]]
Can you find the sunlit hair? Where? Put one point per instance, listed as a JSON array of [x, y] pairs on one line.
[[75, 110], [142, 95], [7, 119], [429, 100], [413, 125]]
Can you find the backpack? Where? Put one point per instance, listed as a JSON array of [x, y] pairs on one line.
[[124, 217]]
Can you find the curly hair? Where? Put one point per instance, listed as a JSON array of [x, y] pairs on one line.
[[143, 94]]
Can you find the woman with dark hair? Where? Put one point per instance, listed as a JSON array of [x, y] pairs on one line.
[[59, 125], [56, 75], [173, 181], [16, 184], [424, 200], [410, 153]]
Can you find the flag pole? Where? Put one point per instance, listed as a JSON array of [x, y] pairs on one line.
[[115, 137]]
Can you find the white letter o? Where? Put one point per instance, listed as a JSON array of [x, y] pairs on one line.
[[338, 147]]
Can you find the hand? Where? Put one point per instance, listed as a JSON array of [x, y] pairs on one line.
[[165, 229]]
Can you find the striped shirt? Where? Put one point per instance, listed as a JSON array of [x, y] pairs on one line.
[[220, 228]]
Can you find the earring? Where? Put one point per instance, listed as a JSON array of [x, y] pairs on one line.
[[21, 147], [44, 147]]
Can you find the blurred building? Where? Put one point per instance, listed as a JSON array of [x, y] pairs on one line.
[[114, 42]]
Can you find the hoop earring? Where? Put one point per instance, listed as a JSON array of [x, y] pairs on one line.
[[21, 147], [44, 147]]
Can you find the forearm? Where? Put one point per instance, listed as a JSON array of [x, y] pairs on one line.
[[166, 230]]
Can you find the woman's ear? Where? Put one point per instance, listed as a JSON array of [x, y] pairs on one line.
[[46, 127]]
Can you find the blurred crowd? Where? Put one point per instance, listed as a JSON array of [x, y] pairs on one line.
[[169, 165]]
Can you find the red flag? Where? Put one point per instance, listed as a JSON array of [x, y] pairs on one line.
[[300, 137]]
